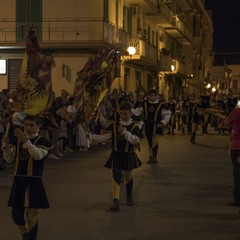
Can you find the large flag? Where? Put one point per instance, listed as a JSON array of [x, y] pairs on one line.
[[34, 87], [95, 79]]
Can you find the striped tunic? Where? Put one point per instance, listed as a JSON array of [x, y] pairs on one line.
[[123, 156], [28, 190]]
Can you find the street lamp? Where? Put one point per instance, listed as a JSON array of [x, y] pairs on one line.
[[173, 68], [208, 85], [214, 89], [131, 50]]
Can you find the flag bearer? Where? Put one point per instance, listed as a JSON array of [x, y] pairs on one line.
[[28, 194], [125, 135], [156, 116]]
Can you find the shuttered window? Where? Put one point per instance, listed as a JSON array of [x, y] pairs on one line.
[[106, 16], [235, 84], [14, 66], [28, 13]]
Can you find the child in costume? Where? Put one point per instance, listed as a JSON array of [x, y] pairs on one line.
[[156, 117], [28, 194], [125, 135]]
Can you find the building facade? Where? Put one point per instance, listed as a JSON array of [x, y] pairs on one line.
[[172, 39]]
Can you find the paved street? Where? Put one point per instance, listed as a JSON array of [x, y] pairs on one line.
[[184, 197]]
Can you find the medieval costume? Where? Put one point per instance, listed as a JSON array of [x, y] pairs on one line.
[[183, 112], [171, 105], [193, 117], [156, 116], [205, 103], [28, 194], [123, 158]]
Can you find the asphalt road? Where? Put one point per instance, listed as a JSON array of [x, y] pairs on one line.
[[184, 197]]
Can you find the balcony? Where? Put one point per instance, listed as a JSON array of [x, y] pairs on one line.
[[145, 5], [63, 34], [183, 69], [206, 51], [163, 16], [146, 53], [185, 4], [165, 62], [180, 32]]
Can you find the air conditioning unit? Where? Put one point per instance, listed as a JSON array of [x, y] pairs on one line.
[[135, 10]]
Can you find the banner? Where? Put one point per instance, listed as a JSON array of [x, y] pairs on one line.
[[95, 79], [34, 88]]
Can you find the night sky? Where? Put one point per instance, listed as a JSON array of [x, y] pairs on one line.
[[226, 20]]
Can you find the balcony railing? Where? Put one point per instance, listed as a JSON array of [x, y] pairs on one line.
[[183, 68], [144, 49], [166, 12], [179, 31], [182, 28], [165, 62], [162, 16], [63, 31]]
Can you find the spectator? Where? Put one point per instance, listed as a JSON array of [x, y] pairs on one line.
[[71, 127], [233, 121], [82, 142]]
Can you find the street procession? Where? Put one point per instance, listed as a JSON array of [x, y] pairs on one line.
[[127, 88]]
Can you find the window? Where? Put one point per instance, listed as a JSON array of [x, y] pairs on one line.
[[150, 81], [138, 23], [235, 84], [148, 34], [139, 79], [138, 75], [106, 10], [3, 66], [14, 67], [28, 13], [117, 14], [126, 19], [153, 38], [126, 78]]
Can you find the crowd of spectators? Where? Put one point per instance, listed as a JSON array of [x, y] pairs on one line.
[[67, 127]]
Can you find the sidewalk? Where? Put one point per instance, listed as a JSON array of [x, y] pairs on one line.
[[184, 197]]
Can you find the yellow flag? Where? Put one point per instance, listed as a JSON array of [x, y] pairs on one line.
[[23, 70], [101, 97], [33, 94]]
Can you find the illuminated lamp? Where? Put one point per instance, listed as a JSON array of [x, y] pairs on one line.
[[131, 50]]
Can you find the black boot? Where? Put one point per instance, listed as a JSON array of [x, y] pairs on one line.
[[192, 140], [2, 166], [155, 159], [25, 236], [115, 206], [183, 131], [129, 187], [204, 129], [150, 160]]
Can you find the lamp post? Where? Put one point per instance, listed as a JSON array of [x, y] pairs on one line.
[[173, 65], [131, 51]]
